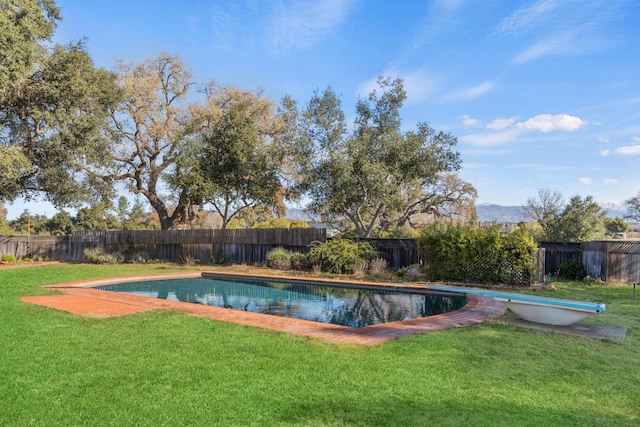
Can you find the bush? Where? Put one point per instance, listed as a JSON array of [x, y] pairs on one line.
[[279, 258], [99, 256], [11, 259], [572, 270], [481, 255], [378, 265], [339, 255], [299, 261]]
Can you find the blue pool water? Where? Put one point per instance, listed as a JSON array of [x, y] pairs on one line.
[[347, 305]]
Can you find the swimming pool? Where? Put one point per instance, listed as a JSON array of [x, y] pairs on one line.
[[342, 304]]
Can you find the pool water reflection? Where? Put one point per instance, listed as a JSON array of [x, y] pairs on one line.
[[346, 305]]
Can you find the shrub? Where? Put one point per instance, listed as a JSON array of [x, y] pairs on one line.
[[11, 259], [572, 270], [593, 280], [340, 255], [360, 268], [99, 256], [189, 260], [299, 261], [279, 258], [378, 265], [482, 255], [414, 271]]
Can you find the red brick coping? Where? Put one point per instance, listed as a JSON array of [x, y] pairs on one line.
[[81, 298]]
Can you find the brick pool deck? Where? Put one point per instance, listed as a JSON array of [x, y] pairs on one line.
[[81, 298]]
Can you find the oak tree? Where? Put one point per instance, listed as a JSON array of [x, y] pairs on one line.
[[377, 175], [148, 128], [228, 163]]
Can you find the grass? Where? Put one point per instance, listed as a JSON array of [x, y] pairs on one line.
[[167, 368]]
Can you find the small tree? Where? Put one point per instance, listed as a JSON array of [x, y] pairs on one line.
[[633, 208], [616, 225], [581, 220]]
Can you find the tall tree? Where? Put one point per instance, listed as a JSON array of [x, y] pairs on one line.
[[61, 224], [52, 104], [376, 176], [228, 165], [51, 124], [24, 25], [148, 127]]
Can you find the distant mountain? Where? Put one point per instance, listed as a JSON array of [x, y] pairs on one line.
[[496, 213], [615, 210]]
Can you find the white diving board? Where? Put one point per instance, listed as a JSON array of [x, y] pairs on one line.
[[550, 311]]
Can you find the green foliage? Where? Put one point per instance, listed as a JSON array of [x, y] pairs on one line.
[[227, 164], [581, 220], [99, 256], [282, 259], [397, 232], [482, 255], [299, 261], [572, 270], [279, 258], [25, 25], [28, 223], [281, 223], [54, 120], [96, 217], [11, 259], [616, 225], [61, 224], [378, 175], [594, 281], [340, 255]]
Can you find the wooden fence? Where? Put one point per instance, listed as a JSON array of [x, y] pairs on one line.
[[230, 246], [223, 246], [397, 252], [613, 261], [45, 247], [558, 252]]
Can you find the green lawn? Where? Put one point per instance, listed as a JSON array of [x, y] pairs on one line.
[[167, 368]]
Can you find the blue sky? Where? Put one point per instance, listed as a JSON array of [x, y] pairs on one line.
[[540, 94]]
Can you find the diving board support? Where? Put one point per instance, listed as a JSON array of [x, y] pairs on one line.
[[550, 311]]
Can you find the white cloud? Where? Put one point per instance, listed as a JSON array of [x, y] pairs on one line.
[[303, 24], [585, 181], [629, 150], [611, 181], [470, 93], [499, 124], [605, 153], [490, 139], [470, 121], [526, 18], [558, 44], [549, 123]]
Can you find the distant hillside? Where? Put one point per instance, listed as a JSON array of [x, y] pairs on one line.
[[497, 213], [488, 212]]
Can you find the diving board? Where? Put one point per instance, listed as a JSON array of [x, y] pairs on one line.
[[550, 311]]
